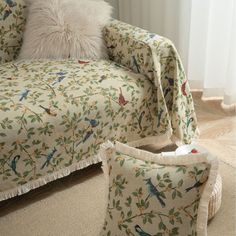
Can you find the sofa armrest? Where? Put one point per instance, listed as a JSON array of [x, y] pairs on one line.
[[157, 59], [143, 52]]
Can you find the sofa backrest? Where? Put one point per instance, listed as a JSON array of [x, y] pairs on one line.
[[12, 23]]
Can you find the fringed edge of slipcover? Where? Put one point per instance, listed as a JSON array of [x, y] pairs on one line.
[[159, 158], [160, 141], [33, 184]]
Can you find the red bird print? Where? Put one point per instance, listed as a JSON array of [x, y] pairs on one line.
[[122, 101], [194, 150], [183, 87], [83, 62]]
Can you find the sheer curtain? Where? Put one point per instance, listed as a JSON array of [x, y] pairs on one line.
[[212, 48], [204, 32]]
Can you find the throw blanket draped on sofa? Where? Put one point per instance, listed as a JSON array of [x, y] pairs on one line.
[[55, 114]]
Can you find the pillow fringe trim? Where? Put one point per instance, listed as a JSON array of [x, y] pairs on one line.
[[170, 160]]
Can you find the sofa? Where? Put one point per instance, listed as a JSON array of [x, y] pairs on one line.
[[54, 114]]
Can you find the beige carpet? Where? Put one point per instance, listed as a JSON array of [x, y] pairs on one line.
[[75, 205]]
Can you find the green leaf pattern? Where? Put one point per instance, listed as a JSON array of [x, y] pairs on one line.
[[157, 59], [71, 107], [12, 22], [55, 114], [132, 210]]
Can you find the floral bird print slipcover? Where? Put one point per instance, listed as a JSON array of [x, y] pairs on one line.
[[56, 113], [12, 22]]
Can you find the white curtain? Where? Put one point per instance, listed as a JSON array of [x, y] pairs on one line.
[[204, 32]]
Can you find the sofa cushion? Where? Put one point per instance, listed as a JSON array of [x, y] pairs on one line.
[[12, 22], [72, 106], [156, 194], [65, 28]]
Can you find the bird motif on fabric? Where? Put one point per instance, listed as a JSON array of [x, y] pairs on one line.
[[10, 3], [7, 13], [140, 119], [136, 64], [92, 122], [49, 158], [198, 183], [122, 101], [183, 88], [24, 95], [14, 163], [60, 78], [170, 80], [152, 35], [86, 137], [48, 111], [159, 117], [83, 62], [140, 231], [103, 77], [167, 90], [154, 192], [189, 121]]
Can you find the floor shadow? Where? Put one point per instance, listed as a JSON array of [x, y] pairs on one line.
[[77, 177]]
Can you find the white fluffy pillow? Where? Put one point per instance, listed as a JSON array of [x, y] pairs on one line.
[[60, 29]]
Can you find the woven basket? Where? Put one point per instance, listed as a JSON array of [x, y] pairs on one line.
[[215, 200]]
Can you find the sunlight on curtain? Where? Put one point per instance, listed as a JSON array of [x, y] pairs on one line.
[[165, 17], [212, 49]]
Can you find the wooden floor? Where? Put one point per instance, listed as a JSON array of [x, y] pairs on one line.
[[217, 128]]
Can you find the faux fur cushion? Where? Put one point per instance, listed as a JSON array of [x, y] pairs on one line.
[[61, 29]]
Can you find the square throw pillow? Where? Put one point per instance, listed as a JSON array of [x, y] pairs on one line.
[[156, 194], [62, 29], [12, 22]]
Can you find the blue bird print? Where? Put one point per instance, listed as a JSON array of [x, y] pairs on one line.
[[10, 3], [14, 163], [49, 157], [159, 117], [136, 64], [140, 231], [198, 184], [152, 35], [92, 122], [170, 80], [86, 137], [189, 121], [61, 73], [154, 192], [6, 14], [24, 95], [59, 80], [61, 77]]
